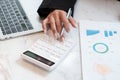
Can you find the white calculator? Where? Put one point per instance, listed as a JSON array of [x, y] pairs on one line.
[[48, 52]]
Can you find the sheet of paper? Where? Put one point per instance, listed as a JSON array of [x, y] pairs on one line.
[[100, 50]]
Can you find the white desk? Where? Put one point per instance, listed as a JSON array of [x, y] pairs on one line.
[[98, 10], [69, 69]]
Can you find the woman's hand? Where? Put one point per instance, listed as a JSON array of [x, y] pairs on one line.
[[56, 20]]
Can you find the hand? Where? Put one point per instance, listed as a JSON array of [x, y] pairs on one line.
[[56, 19]]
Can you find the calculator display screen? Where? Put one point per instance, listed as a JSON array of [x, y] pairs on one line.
[[39, 58]]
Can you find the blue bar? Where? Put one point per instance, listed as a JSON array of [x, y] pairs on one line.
[[106, 33], [110, 33], [92, 32]]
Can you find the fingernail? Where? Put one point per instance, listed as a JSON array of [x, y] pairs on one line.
[[45, 31], [68, 30], [63, 38], [76, 25], [57, 35]]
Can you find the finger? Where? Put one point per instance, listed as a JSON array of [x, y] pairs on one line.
[[65, 22], [73, 22], [62, 38], [44, 25], [58, 23], [53, 25]]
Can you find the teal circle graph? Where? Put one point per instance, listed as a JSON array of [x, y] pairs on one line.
[[100, 48]]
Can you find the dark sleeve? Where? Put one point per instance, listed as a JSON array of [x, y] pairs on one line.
[[48, 6]]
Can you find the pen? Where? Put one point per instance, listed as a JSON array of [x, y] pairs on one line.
[[68, 15]]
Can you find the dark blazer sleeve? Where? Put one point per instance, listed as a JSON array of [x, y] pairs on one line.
[[48, 6]]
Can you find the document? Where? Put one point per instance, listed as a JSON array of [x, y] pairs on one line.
[[100, 50]]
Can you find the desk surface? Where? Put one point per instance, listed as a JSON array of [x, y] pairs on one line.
[[69, 69]]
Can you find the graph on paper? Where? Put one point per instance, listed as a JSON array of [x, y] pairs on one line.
[[100, 53]]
